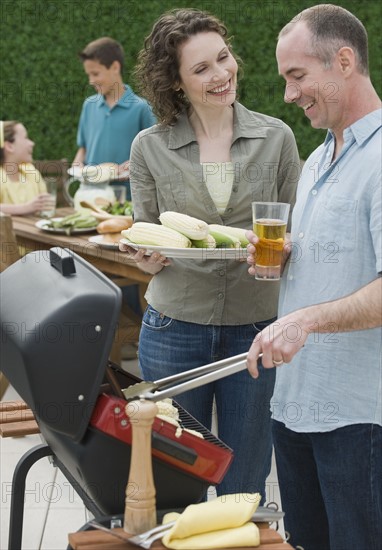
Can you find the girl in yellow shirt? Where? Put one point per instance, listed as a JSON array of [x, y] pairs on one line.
[[22, 188]]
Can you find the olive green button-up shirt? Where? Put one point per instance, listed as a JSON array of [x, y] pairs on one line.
[[166, 174]]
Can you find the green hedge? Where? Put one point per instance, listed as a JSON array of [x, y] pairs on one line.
[[43, 83]]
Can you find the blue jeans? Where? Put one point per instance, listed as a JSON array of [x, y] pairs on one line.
[[331, 486], [168, 346]]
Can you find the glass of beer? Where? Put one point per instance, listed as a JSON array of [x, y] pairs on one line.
[[269, 224]]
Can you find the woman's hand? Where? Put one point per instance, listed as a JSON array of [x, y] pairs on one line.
[[150, 264]]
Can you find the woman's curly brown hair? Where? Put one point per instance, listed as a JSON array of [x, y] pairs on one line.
[[157, 70]]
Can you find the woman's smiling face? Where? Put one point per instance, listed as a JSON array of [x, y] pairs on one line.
[[208, 71]]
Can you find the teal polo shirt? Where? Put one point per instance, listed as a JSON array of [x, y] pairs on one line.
[[108, 132]]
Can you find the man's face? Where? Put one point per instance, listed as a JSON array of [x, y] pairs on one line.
[[318, 91], [103, 79]]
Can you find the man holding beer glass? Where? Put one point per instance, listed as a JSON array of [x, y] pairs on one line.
[[326, 406]]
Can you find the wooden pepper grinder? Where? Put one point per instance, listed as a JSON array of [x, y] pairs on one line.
[[140, 510]]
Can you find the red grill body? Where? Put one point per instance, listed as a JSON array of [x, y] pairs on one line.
[[207, 459], [58, 319]]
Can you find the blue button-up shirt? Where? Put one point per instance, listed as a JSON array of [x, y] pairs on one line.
[[335, 380]]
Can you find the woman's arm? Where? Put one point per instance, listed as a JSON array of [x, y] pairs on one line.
[[144, 197]]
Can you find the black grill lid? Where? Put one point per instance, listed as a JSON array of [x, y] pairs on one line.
[[58, 318]]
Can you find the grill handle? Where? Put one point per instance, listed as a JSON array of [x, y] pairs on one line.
[[62, 260]]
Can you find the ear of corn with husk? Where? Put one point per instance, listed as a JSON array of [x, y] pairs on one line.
[[222, 238], [169, 413], [156, 235], [183, 231], [235, 232], [207, 242], [187, 225]]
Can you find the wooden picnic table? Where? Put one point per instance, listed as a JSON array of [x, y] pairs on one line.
[[109, 261]]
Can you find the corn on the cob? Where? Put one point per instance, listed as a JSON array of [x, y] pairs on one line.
[[166, 408], [169, 413], [236, 232], [222, 238], [187, 225], [156, 235], [207, 242], [194, 432]]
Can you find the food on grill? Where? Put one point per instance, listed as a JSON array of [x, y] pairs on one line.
[[114, 225], [157, 235], [166, 408], [187, 225], [169, 413]]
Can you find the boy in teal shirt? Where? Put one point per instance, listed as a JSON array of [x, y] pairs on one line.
[[110, 120], [112, 117]]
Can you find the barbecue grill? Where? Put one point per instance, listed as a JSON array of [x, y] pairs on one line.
[[58, 319]]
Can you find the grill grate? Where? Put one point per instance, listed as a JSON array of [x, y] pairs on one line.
[[189, 422]]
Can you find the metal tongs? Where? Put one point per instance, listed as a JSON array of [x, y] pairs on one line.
[[188, 380]]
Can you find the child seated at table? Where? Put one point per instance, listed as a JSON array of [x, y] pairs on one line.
[[22, 187]]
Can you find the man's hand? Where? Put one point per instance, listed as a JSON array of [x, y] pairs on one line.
[[279, 342], [251, 249]]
